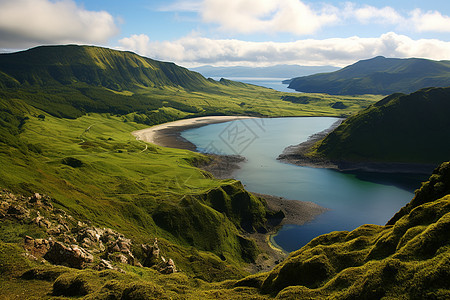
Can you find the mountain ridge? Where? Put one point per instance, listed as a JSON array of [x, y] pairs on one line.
[[378, 75], [405, 133], [114, 69], [277, 71]]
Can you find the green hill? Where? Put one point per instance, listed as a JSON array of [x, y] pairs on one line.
[[66, 117], [378, 75], [407, 259], [70, 81], [117, 70], [400, 128]]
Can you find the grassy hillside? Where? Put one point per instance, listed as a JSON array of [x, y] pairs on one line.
[[95, 169], [378, 75], [65, 131], [69, 81], [410, 258], [117, 70], [66, 114], [398, 129]]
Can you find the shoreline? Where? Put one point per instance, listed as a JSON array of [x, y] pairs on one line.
[[296, 212], [169, 134], [297, 155]]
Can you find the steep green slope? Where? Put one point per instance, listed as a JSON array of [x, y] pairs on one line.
[[117, 70], [378, 75], [66, 114], [400, 128], [408, 259], [96, 170]]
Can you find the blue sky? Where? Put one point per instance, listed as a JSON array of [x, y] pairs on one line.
[[235, 32]]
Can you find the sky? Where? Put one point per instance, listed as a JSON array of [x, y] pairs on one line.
[[235, 32]]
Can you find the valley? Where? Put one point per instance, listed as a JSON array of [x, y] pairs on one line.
[[75, 180]]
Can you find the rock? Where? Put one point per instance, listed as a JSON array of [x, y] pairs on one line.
[[18, 212], [36, 198], [42, 222], [120, 245], [104, 265], [169, 267], [55, 230], [68, 239], [4, 206], [151, 254], [71, 256], [36, 247], [89, 236], [121, 258]]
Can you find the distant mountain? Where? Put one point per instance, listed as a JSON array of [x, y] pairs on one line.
[[401, 128], [118, 70], [378, 75], [278, 71]]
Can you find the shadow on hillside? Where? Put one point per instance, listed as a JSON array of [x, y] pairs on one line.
[[406, 181]]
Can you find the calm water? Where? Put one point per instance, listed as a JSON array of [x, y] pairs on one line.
[[273, 83], [352, 201]]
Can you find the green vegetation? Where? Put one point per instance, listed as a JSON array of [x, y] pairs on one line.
[[97, 171], [410, 258], [398, 129], [66, 114], [378, 75], [69, 81]]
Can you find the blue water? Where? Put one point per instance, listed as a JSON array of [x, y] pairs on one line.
[[273, 83], [350, 200]]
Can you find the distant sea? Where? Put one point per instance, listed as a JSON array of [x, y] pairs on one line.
[[273, 83]]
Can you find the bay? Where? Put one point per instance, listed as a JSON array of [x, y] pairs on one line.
[[351, 200]]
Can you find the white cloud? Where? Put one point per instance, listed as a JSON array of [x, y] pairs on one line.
[[430, 21], [250, 16], [195, 50], [370, 14], [25, 23], [297, 17], [182, 5]]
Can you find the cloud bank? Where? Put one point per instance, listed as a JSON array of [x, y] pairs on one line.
[[297, 17], [196, 50], [26, 23]]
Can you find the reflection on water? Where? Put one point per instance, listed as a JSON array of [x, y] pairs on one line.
[[353, 198]]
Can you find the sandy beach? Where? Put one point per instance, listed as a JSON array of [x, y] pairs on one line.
[[296, 212], [168, 134]]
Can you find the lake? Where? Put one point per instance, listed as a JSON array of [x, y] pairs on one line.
[[273, 83], [352, 199]]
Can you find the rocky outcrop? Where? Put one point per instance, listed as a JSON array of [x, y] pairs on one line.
[[73, 243], [36, 247], [72, 256]]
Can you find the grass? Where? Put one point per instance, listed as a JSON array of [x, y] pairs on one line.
[[115, 183], [69, 137], [400, 129], [409, 259]]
